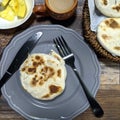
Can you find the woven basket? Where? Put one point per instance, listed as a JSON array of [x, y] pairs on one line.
[[91, 37]]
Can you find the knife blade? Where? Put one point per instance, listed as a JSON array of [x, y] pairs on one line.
[[19, 58]]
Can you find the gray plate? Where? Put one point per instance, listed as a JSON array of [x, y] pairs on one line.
[[73, 101]]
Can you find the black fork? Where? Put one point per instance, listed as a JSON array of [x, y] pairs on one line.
[[66, 53]]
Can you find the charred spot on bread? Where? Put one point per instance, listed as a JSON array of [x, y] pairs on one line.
[[112, 23], [54, 89], [105, 2]]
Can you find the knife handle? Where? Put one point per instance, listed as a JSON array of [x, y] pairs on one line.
[[5, 77]]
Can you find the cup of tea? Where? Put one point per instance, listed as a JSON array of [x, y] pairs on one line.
[[57, 9]]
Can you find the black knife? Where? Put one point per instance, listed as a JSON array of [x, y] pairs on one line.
[[21, 55]]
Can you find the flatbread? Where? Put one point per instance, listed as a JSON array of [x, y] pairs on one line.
[[108, 35], [43, 75], [110, 8]]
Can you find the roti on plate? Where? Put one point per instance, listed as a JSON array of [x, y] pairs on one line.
[[108, 35], [110, 8], [43, 75]]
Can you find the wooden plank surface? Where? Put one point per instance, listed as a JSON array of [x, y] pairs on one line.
[[108, 94]]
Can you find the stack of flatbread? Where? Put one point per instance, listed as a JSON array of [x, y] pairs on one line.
[[108, 33], [43, 75]]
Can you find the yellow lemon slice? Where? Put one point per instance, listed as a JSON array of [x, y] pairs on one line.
[[7, 14]]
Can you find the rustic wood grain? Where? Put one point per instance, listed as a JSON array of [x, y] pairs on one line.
[[108, 94]]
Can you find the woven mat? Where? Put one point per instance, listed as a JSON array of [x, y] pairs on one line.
[[91, 37]]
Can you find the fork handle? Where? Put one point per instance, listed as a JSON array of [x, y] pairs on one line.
[[93, 103]]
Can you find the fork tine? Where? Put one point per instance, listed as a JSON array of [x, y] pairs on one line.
[[65, 45], [58, 47], [61, 44]]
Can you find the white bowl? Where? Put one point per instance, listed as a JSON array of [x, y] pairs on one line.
[[4, 24]]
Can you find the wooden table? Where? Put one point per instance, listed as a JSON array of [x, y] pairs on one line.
[[108, 94]]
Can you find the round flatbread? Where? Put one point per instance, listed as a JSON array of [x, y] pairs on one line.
[[110, 8], [43, 75], [108, 35]]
